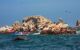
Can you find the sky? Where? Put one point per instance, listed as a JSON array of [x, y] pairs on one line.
[[13, 10]]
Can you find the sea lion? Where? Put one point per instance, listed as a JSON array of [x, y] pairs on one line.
[[19, 38]]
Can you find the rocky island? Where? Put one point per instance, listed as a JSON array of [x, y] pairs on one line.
[[40, 24]]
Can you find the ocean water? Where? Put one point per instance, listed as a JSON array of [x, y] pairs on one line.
[[40, 42]]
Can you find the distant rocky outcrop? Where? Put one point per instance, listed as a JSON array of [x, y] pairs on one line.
[[34, 23], [41, 24]]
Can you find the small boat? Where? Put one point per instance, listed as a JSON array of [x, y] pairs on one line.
[[22, 33], [36, 33], [25, 33], [28, 33]]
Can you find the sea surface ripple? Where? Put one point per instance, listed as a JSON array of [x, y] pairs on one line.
[[40, 42]]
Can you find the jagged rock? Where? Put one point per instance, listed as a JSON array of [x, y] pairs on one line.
[[78, 23], [36, 21], [16, 26]]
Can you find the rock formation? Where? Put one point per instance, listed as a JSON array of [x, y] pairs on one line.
[[36, 22], [32, 24]]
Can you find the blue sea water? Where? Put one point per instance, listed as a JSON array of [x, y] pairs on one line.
[[40, 42]]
